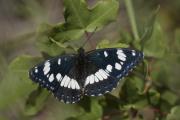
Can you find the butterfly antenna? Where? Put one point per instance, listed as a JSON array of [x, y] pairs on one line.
[[89, 36]]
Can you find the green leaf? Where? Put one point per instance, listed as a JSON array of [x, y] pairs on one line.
[[175, 113], [76, 13], [54, 40], [125, 37], [139, 84], [46, 45], [78, 19], [17, 81], [95, 114], [104, 12], [43, 40], [148, 28], [170, 97], [132, 90], [154, 96], [118, 89], [107, 44], [22, 64], [157, 45], [165, 72], [36, 102], [140, 104], [69, 35]]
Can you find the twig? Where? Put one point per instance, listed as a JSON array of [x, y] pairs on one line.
[[132, 18]]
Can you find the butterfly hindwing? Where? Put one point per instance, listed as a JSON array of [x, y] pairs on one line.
[[53, 74], [113, 65]]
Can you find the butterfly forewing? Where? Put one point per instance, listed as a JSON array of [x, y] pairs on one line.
[[53, 74], [113, 65]]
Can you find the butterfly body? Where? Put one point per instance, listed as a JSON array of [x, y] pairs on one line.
[[91, 73]]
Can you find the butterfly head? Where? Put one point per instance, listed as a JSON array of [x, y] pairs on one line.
[[81, 51]]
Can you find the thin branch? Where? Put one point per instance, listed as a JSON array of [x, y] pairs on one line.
[[132, 18]]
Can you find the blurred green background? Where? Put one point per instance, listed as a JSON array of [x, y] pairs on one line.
[[150, 92]]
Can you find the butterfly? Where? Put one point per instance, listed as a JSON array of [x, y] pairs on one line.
[[93, 73]]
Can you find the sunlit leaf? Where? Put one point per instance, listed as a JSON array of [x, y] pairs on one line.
[[108, 44], [102, 13], [68, 35], [76, 13]]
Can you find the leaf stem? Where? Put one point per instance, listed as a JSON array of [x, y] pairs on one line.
[[132, 19]]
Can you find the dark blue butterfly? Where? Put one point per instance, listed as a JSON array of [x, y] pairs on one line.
[[92, 73]]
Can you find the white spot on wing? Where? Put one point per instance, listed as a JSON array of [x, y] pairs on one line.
[[46, 68], [36, 70], [59, 61], [47, 75], [67, 82], [91, 79], [105, 54], [76, 84], [69, 85], [99, 75], [73, 85], [109, 68], [63, 80], [121, 57], [133, 53], [58, 77], [47, 63], [106, 72], [118, 66], [119, 51], [102, 73], [96, 79], [87, 80], [51, 77]]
